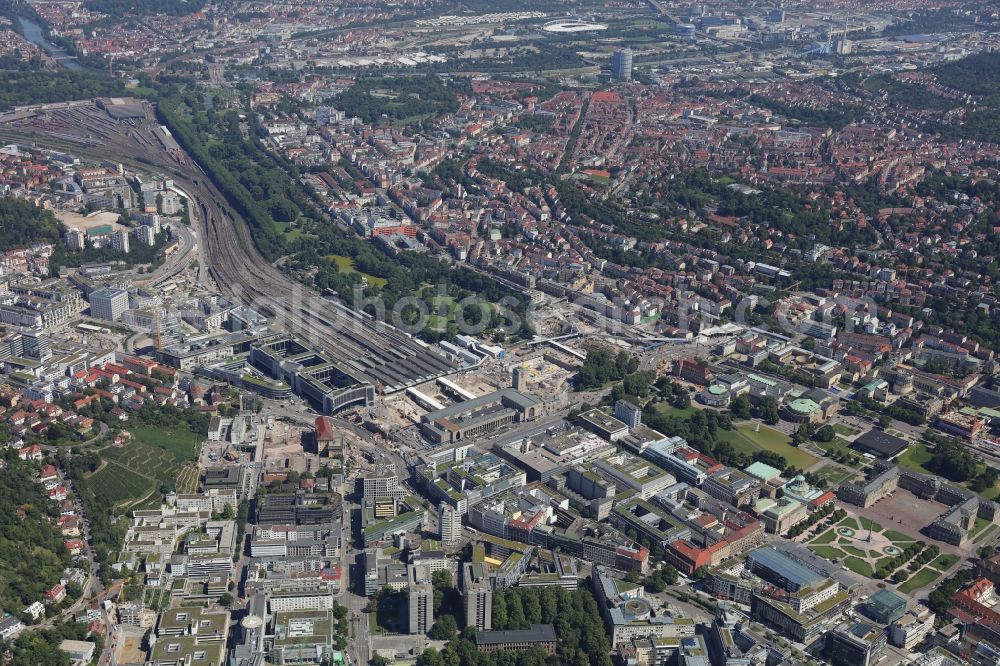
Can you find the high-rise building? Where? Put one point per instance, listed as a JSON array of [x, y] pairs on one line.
[[449, 524], [119, 241], [146, 235], [76, 239], [421, 599], [628, 414], [36, 345], [517, 379], [478, 597], [621, 65], [108, 303]]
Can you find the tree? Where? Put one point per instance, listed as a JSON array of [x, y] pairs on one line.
[[741, 407], [379, 660], [803, 433], [825, 434], [768, 411], [445, 628]]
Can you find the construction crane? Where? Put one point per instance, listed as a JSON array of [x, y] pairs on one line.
[[159, 332]]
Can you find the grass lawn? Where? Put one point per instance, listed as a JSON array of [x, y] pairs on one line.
[[922, 578], [834, 475], [945, 562], [851, 550], [845, 430], [991, 493], [915, 458], [828, 552], [978, 526], [882, 562], [869, 524], [859, 566], [897, 537], [669, 410], [985, 534], [293, 235], [848, 522], [745, 439], [346, 265], [825, 538], [835, 446]]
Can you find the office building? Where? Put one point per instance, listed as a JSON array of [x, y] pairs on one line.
[[477, 596], [779, 569], [300, 637], [420, 597], [910, 629], [382, 482], [539, 635], [36, 345], [885, 607], [628, 414], [621, 65], [108, 303], [449, 524], [855, 644]]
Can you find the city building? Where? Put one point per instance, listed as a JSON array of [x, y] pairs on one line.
[[621, 65], [477, 596], [885, 607], [867, 493], [420, 600], [628, 414], [120, 241], [516, 640], [629, 614], [855, 644], [108, 303], [479, 416], [910, 629], [449, 524]]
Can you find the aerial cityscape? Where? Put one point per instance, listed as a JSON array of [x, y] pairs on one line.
[[467, 333]]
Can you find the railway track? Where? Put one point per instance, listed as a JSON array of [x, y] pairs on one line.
[[238, 269]]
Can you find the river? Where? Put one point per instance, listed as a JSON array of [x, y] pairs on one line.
[[33, 33]]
